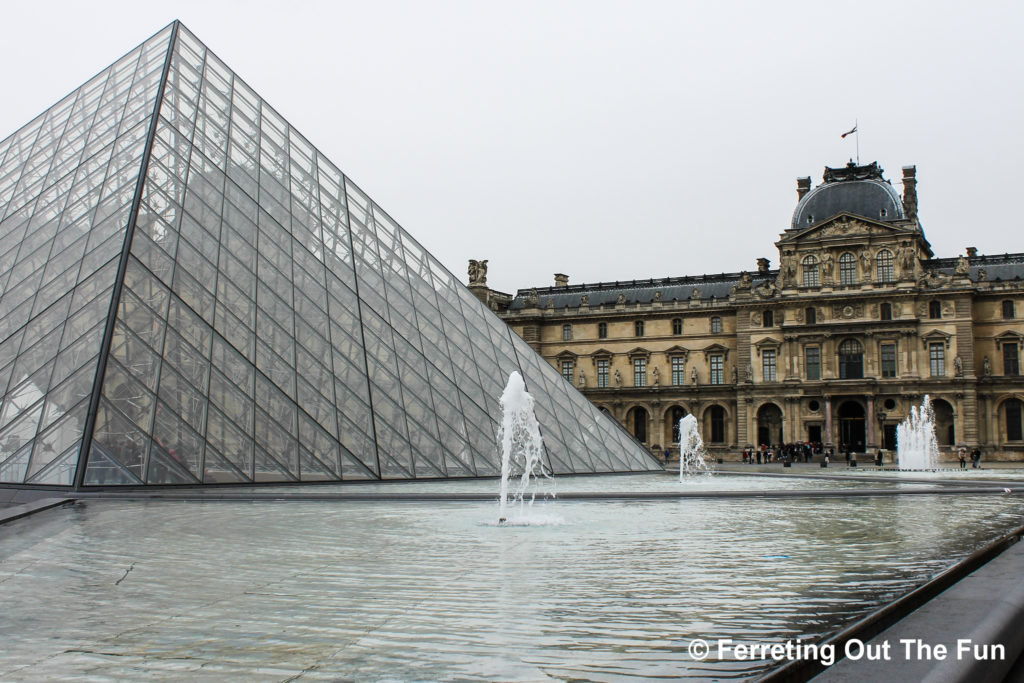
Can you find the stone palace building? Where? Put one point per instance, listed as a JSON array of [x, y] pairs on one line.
[[858, 324]]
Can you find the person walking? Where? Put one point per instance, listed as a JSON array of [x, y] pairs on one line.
[[962, 457], [976, 458]]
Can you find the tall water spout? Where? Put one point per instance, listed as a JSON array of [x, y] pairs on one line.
[[916, 445], [691, 449], [522, 448]]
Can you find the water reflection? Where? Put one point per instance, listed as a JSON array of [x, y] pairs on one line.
[[415, 591]]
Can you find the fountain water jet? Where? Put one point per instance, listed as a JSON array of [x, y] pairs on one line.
[[916, 445], [522, 448], [691, 449]]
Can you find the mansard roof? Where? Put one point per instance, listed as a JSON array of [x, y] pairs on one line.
[[638, 291]]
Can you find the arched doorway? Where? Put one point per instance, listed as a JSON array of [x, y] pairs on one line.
[[769, 424], [638, 424], [945, 426], [714, 424], [1013, 420], [851, 426], [674, 415]]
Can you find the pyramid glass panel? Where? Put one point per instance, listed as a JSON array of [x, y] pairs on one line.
[[191, 293]]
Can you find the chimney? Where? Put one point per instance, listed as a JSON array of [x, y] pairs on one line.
[[803, 186], [910, 191], [763, 266], [972, 252], [561, 280]]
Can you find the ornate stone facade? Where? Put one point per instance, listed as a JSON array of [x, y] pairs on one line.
[[858, 324]]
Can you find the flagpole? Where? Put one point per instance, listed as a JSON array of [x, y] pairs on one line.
[[856, 127]]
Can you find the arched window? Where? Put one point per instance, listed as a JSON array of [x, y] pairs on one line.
[[847, 269], [811, 315], [716, 325], [811, 276], [851, 360], [638, 328], [716, 416], [677, 325], [935, 309], [1012, 416], [884, 262], [602, 330], [885, 311]]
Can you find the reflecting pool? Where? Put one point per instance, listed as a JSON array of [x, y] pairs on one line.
[[404, 591]]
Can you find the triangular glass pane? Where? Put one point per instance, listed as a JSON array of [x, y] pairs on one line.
[[105, 471]]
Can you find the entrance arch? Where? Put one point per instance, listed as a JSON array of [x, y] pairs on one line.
[[945, 429], [769, 424], [852, 426], [637, 421], [672, 416]]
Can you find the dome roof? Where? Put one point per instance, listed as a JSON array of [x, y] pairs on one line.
[[859, 190]]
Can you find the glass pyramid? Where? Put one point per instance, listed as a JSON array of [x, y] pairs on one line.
[[190, 293]]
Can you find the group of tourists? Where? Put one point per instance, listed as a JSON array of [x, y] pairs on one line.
[[801, 451], [975, 457]]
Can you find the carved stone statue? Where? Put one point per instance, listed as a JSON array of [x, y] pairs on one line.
[[907, 258], [655, 376], [958, 367], [735, 375], [533, 298], [986, 367], [695, 294], [749, 373], [745, 280], [582, 381], [585, 300], [865, 262], [827, 263], [478, 272], [657, 295], [693, 375], [621, 300], [963, 266], [617, 378], [982, 274]]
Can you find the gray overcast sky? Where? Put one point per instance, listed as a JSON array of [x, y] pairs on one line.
[[606, 140]]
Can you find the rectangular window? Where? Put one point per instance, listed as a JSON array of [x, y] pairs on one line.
[[639, 372], [1011, 360], [812, 362], [717, 369], [678, 371], [886, 311], [566, 332], [937, 359], [567, 367], [888, 360], [602, 373], [768, 365], [1008, 311]]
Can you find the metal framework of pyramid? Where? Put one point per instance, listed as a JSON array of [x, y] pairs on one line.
[[190, 293]]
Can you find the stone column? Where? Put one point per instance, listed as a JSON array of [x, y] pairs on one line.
[[872, 443], [828, 421]]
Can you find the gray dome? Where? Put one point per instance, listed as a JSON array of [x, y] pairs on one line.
[[845, 191]]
